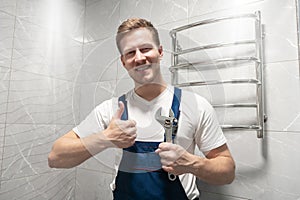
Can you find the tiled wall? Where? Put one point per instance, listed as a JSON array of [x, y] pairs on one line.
[[58, 60], [40, 53]]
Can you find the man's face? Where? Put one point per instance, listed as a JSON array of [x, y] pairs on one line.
[[141, 56]]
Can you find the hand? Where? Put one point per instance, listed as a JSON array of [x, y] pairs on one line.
[[174, 158], [121, 133]]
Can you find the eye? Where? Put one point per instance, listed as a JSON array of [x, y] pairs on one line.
[[130, 54], [145, 50]]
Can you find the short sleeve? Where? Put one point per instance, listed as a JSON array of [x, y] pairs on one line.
[[209, 134], [97, 120]]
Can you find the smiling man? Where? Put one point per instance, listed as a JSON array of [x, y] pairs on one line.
[[146, 159]]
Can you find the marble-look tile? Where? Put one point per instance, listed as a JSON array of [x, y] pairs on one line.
[[158, 13], [6, 38], [26, 150], [265, 169], [36, 99], [41, 51], [206, 6], [93, 94], [101, 20], [97, 182], [100, 62], [66, 105], [8, 6], [57, 17], [279, 34], [55, 185], [2, 130], [123, 86], [282, 94], [4, 84]]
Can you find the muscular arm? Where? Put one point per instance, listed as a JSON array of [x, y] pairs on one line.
[[216, 168], [70, 150]]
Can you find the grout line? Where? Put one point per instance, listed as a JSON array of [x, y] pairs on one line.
[[8, 89]]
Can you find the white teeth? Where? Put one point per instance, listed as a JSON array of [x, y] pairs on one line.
[[142, 68]]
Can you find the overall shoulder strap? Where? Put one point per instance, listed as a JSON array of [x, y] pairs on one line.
[[125, 113], [176, 102], [175, 109]]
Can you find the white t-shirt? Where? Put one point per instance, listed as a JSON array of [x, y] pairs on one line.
[[198, 125]]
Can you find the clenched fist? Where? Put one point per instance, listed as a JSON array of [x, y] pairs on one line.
[[174, 158]]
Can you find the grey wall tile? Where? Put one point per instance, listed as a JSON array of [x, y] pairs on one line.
[[264, 167], [102, 19], [282, 96], [8, 6], [98, 182], [278, 34], [100, 62], [4, 84], [36, 99], [205, 7], [26, 150], [159, 13], [55, 185], [6, 38], [57, 17], [45, 52], [93, 94]]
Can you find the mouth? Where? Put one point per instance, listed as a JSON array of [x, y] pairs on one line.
[[142, 68]]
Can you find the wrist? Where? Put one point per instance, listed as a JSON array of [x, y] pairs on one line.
[[194, 164]]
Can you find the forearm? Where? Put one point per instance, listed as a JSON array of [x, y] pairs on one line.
[[216, 171], [70, 151]]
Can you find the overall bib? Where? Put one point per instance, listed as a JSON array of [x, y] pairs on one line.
[[140, 176]]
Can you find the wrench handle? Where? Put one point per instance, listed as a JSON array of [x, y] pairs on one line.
[[169, 139], [168, 133]]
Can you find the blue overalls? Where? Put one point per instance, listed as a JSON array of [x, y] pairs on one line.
[[140, 176]]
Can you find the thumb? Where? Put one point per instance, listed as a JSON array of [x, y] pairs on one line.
[[120, 110]]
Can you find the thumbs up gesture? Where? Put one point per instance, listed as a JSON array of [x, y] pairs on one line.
[[121, 133]]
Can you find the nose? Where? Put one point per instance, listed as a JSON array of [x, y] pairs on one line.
[[139, 56]]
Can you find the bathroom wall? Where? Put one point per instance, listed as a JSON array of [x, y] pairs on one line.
[[41, 44], [266, 168], [58, 60]]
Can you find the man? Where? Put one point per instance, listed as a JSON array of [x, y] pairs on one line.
[[147, 162]]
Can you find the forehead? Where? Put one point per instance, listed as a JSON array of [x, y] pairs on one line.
[[136, 38]]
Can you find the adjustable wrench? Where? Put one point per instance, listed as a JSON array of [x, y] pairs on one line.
[[167, 123]]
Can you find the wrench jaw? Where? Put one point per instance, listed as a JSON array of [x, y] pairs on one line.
[[167, 123]]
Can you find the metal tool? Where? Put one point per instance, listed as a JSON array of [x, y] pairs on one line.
[[167, 123]]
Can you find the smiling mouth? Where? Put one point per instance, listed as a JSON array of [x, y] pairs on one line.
[[142, 68]]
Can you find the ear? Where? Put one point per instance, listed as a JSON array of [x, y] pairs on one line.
[[161, 52], [122, 60]]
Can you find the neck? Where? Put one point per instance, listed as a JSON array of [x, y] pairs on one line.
[[150, 91]]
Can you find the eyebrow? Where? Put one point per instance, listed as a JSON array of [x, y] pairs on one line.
[[140, 46]]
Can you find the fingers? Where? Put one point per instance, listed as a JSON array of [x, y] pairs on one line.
[[120, 110], [170, 155], [127, 126]]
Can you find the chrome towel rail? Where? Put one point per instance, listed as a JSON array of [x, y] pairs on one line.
[[233, 105], [211, 62], [256, 59], [210, 21], [212, 46], [216, 82]]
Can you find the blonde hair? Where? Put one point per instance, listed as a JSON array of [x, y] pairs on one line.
[[135, 23]]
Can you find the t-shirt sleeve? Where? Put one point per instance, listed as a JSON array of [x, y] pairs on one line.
[[209, 135], [97, 120]]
